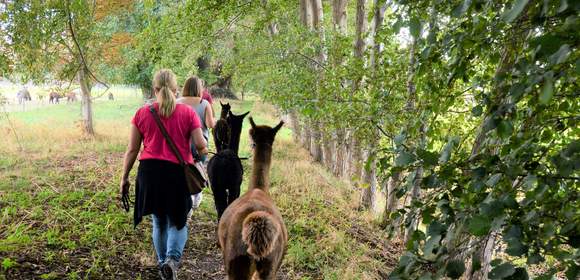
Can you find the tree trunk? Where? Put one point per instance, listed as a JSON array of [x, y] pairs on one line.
[[369, 178], [338, 154], [378, 17], [306, 13], [86, 104], [339, 16], [348, 150], [328, 150], [317, 21], [295, 126], [306, 135], [315, 145], [410, 108], [361, 26], [391, 201], [359, 48], [147, 92], [484, 245], [272, 25]]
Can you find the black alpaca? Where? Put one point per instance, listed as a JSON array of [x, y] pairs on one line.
[[225, 169], [236, 122], [222, 131]]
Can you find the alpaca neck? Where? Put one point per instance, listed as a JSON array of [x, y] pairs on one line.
[[261, 171]]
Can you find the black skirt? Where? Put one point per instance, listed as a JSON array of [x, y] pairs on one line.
[[161, 189]]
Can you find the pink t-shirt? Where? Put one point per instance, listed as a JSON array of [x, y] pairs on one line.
[[205, 95], [179, 126]]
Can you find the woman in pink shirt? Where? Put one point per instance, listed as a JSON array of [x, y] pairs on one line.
[[160, 188]]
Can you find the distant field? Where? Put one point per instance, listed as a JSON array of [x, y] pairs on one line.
[[39, 95]]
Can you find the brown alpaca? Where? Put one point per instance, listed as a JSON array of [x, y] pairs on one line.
[[251, 232]]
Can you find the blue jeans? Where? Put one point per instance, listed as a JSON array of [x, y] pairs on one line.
[[168, 241]]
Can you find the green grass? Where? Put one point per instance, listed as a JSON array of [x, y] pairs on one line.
[[58, 200]]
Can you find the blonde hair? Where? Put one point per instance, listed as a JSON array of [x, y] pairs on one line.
[[193, 87], [164, 82]]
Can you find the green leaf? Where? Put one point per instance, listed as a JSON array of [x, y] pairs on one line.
[[479, 225], [515, 11], [535, 259], [495, 262], [446, 152], [435, 228], [492, 181], [430, 181], [561, 55], [404, 158], [477, 111], [516, 248], [573, 271], [547, 90], [475, 262], [502, 271], [491, 209], [531, 181], [520, 274], [415, 27], [455, 269], [8, 263], [400, 138], [505, 129], [461, 9], [563, 6], [429, 158], [430, 246], [397, 26]]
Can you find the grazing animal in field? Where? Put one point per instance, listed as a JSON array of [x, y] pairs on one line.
[[251, 233], [23, 96], [224, 169], [221, 131], [111, 96], [54, 97], [71, 96]]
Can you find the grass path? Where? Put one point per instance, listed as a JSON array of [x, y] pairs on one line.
[[59, 215]]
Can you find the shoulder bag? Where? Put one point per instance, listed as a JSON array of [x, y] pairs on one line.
[[195, 176]]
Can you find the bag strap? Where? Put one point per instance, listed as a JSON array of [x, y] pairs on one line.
[[166, 135]]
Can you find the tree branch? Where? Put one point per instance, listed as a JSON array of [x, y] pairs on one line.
[[74, 38]]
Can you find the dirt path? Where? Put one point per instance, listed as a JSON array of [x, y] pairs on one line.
[[201, 258]]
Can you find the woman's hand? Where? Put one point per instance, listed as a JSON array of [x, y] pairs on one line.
[[124, 188], [130, 157]]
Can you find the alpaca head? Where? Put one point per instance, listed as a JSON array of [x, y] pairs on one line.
[[235, 121], [263, 134], [225, 109]]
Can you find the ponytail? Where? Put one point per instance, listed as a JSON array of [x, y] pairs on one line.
[[164, 82]]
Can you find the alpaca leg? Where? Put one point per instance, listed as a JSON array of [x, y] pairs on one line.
[[220, 197], [233, 194], [265, 269], [240, 268]]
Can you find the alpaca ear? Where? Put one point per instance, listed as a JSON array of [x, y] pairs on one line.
[[252, 122], [244, 114], [276, 128], [221, 102]]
